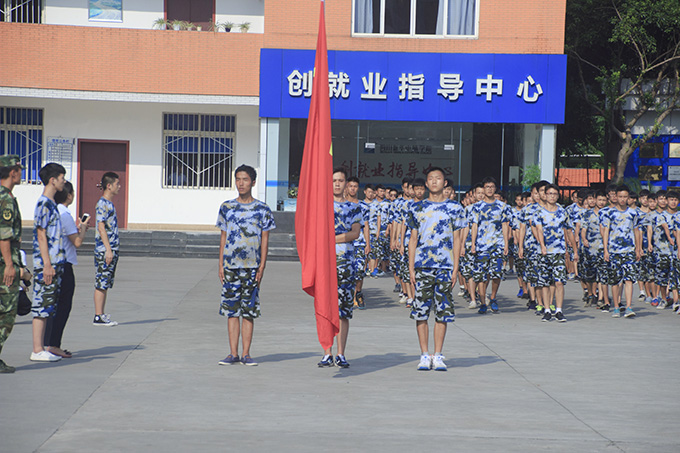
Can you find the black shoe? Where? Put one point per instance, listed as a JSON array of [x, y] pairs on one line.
[[560, 317], [326, 361], [605, 308], [540, 310], [531, 305], [360, 301], [341, 361], [4, 368], [547, 316]]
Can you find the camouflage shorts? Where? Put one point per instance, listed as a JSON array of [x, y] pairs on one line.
[[374, 253], [359, 262], [622, 267], [580, 269], [520, 267], [674, 281], [646, 268], [104, 274], [240, 294], [45, 297], [662, 269], [404, 273], [433, 289], [467, 264], [531, 266], [488, 266], [384, 245], [395, 261], [551, 269], [589, 263], [346, 285]]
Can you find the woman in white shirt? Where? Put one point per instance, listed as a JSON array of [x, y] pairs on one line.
[[75, 235]]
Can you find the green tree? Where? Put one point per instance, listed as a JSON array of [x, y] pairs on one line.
[[625, 56]]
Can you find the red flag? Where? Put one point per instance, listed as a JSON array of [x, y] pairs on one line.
[[314, 221]]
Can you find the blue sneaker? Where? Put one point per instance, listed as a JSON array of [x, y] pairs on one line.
[[494, 306], [229, 360], [374, 274], [341, 361], [247, 360], [326, 361], [482, 309], [520, 293]]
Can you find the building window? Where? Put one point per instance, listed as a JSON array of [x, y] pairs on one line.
[[23, 11], [21, 133], [198, 12], [416, 17], [198, 150]]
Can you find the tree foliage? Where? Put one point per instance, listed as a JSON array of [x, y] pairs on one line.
[[625, 56]]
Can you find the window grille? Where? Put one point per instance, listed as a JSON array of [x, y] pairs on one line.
[[198, 150], [449, 18], [23, 11], [21, 133]]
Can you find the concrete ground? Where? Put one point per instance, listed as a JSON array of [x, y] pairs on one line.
[[514, 383]]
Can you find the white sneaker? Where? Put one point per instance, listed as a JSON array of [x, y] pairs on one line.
[[472, 305], [438, 363], [403, 299], [461, 293], [44, 356], [425, 362], [662, 304], [642, 296]]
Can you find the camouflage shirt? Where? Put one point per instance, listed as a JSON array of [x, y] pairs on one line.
[[10, 223]]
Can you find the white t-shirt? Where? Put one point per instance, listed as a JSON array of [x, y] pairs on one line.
[[68, 227]]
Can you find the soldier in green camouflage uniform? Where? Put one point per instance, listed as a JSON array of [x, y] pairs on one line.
[[10, 240]]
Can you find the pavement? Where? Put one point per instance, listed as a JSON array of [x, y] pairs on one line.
[[514, 383]]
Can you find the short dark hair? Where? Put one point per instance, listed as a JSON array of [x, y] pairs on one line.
[[526, 195], [379, 186], [407, 181], [651, 196], [252, 174], [392, 189], [622, 188], [541, 184], [340, 170], [488, 180], [661, 193], [448, 183], [431, 169], [49, 171], [633, 195], [582, 193], [552, 186], [62, 195], [673, 194], [418, 182], [479, 185], [644, 193], [589, 193], [353, 179], [612, 188], [108, 178], [5, 171], [600, 193], [369, 186]]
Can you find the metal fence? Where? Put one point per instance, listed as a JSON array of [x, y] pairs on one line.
[[21, 133]]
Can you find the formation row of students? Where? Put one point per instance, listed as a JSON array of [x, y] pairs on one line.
[[55, 238]]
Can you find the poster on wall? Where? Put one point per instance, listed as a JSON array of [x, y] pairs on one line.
[[106, 10]]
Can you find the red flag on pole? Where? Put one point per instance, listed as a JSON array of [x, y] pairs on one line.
[[314, 222]]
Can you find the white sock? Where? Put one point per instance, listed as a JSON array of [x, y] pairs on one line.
[[559, 310]]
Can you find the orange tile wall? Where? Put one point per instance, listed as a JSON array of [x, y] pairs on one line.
[[206, 63]]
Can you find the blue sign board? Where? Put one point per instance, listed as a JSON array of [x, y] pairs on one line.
[[395, 86]]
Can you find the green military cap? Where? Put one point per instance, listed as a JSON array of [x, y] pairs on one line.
[[10, 160]]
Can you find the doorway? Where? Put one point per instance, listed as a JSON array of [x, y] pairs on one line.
[[96, 157]]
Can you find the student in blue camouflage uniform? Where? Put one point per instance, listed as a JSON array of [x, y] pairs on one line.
[[553, 232], [360, 247], [645, 271], [660, 224], [514, 246], [384, 231], [490, 236], [621, 248], [373, 229], [48, 258], [529, 248], [434, 251], [593, 267], [348, 218], [10, 243], [673, 200], [676, 261], [467, 259], [395, 200], [106, 246], [245, 224], [408, 293]]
